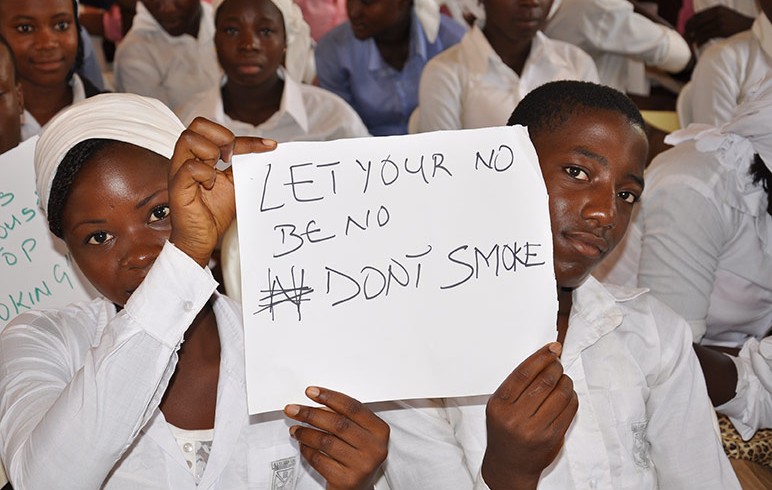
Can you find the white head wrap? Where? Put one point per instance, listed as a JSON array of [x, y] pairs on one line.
[[751, 121], [299, 59], [129, 118], [428, 13]]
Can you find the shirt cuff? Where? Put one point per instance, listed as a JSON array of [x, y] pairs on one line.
[[175, 289]]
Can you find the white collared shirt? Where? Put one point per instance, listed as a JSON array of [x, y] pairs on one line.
[[82, 385], [749, 8], [32, 127], [171, 69], [619, 40], [644, 419], [725, 72], [469, 86], [306, 113]]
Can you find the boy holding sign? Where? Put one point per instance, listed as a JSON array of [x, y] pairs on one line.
[[144, 386], [618, 401]]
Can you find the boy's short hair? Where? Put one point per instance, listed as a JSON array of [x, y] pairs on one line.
[[7, 46], [550, 105]]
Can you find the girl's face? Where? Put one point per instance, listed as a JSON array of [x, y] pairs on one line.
[[116, 217], [44, 39], [175, 16], [11, 104], [250, 40], [516, 19], [370, 18]]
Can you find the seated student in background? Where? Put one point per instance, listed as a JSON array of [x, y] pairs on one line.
[[260, 97], [11, 100], [702, 242], [145, 386], [620, 40], [168, 53], [727, 70], [475, 83], [322, 15], [619, 400], [374, 61], [45, 40]]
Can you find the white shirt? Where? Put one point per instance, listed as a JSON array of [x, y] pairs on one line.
[[725, 72], [31, 126], [171, 69], [748, 8], [82, 385], [619, 40], [644, 419], [469, 86], [306, 113]]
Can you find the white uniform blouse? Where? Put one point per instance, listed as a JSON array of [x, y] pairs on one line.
[[171, 69], [82, 385], [644, 419], [468, 86]]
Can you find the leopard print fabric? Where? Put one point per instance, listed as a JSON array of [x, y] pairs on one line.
[[758, 449]]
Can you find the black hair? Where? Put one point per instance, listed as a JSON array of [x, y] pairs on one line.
[[762, 175], [3, 42], [71, 164], [552, 104]]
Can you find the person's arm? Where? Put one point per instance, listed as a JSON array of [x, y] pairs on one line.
[[715, 22], [439, 97], [527, 419], [715, 85], [346, 442], [720, 373], [685, 446]]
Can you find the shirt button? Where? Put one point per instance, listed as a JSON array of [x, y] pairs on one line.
[[188, 306], [187, 447]]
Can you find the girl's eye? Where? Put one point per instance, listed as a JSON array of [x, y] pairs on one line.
[[99, 238], [231, 31], [62, 26], [265, 31], [628, 197], [159, 213], [24, 28], [577, 173]]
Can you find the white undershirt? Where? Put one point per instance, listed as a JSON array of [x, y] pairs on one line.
[[195, 446]]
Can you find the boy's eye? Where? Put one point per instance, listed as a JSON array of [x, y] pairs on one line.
[[24, 28], [577, 173], [628, 197], [231, 31], [266, 31], [99, 238], [159, 213], [62, 26]]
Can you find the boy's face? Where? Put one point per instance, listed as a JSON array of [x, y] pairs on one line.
[[250, 41], [11, 104], [593, 169], [175, 16], [371, 18], [116, 218], [516, 19]]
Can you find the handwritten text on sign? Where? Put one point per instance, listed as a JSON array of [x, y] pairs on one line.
[[393, 267], [35, 271]]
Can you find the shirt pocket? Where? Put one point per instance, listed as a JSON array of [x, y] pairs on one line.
[[273, 468]]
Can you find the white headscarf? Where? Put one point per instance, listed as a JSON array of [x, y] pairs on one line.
[[751, 121], [428, 13], [299, 59], [129, 118]]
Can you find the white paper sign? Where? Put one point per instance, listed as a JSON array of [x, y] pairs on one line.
[[35, 271], [393, 267]]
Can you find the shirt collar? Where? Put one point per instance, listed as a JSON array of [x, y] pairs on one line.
[[480, 53]]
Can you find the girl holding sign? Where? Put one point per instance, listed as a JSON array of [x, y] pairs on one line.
[[145, 387]]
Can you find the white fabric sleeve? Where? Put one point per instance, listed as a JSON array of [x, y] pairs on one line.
[[681, 243], [618, 29], [230, 259], [751, 408], [439, 97], [685, 444], [715, 86], [64, 419]]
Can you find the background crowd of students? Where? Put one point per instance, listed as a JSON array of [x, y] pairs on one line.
[[700, 240]]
